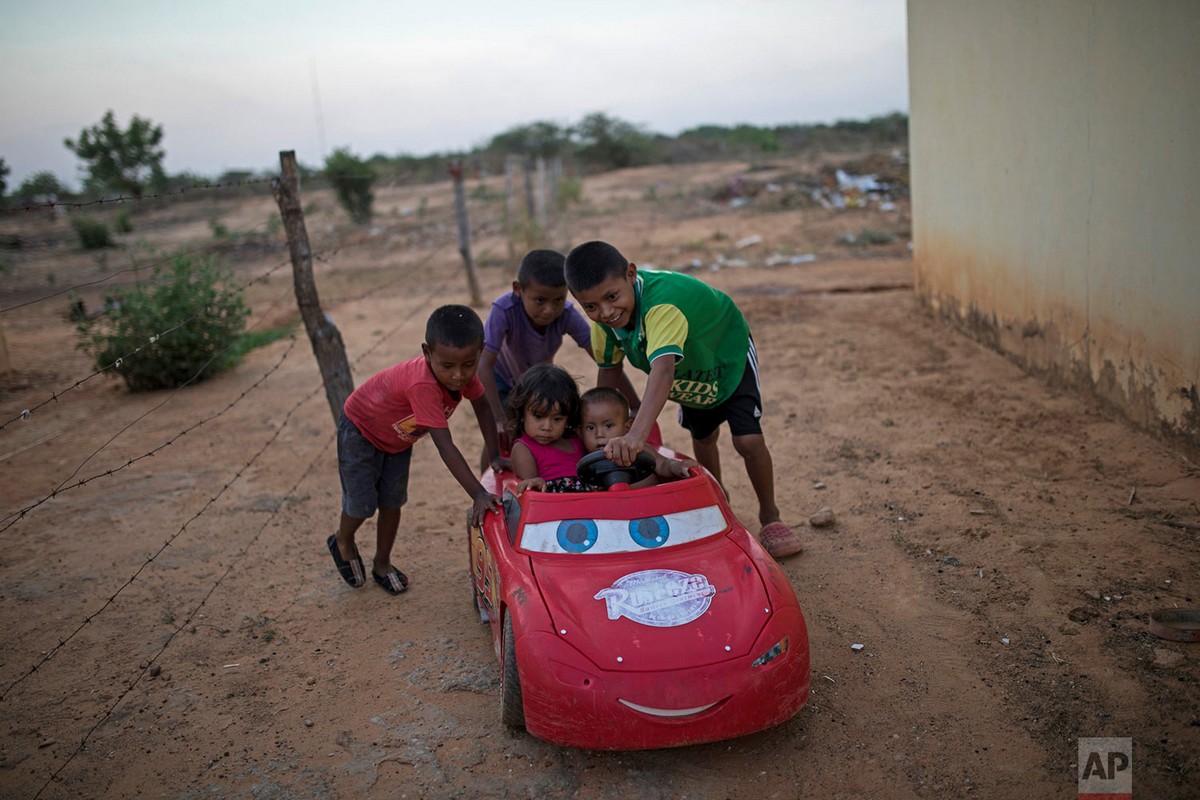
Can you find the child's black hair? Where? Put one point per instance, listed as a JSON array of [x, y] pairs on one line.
[[592, 263], [454, 326], [542, 266], [542, 388], [604, 394]]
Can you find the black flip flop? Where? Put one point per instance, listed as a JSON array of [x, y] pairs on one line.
[[351, 571], [395, 582]]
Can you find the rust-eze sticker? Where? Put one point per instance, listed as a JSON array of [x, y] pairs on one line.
[[663, 598]]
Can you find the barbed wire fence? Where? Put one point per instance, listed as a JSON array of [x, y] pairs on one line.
[[369, 292], [116, 363], [146, 197], [187, 621], [149, 266], [416, 268], [136, 269], [16, 516], [10, 519]]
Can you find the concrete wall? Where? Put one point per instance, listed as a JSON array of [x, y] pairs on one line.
[[1055, 169]]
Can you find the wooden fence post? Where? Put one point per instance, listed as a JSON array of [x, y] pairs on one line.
[[555, 187], [326, 340], [510, 216], [541, 193], [464, 231], [530, 208], [5, 363]]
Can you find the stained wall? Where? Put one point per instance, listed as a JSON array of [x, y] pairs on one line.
[[1055, 171]]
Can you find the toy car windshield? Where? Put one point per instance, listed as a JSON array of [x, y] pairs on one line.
[[622, 535], [643, 520]]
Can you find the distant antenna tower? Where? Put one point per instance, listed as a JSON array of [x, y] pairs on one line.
[[312, 63]]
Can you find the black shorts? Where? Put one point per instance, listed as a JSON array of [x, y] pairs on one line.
[[742, 410]]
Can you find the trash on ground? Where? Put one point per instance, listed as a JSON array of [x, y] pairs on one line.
[[858, 183], [1176, 624]]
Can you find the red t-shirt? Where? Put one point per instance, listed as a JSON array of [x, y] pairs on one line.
[[399, 405]]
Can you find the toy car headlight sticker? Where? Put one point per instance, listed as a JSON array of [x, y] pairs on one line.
[[595, 536], [649, 532], [663, 598], [577, 535]]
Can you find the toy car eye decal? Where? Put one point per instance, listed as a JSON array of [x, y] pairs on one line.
[[577, 535], [599, 536], [649, 532]]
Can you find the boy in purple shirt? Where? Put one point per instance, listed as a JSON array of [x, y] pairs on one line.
[[525, 327]]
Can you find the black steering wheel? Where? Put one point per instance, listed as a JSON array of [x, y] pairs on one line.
[[596, 469]]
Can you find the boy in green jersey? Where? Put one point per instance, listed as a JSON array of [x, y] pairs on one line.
[[695, 346]]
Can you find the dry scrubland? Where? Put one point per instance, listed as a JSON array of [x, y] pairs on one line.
[[998, 546]]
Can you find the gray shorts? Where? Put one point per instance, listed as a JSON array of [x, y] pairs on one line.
[[370, 477]]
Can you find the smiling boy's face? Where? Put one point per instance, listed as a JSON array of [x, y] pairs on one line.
[[452, 366], [611, 302], [602, 420], [543, 304]]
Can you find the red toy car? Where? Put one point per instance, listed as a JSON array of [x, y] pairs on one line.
[[633, 619]]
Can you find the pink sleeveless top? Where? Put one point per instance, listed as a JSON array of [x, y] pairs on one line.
[[551, 462]]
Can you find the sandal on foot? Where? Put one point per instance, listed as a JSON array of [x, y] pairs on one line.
[[352, 571], [394, 582], [780, 540]]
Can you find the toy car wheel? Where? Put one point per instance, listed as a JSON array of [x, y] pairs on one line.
[[595, 468], [512, 707]]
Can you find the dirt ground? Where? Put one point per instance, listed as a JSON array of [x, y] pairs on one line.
[[175, 627]]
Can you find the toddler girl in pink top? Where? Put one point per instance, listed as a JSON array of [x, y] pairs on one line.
[[543, 419]]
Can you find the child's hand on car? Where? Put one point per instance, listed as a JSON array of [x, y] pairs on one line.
[[537, 484], [622, 450], [483, 503], [676, 468]]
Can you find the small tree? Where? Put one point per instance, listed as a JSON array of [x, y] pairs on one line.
[[187, 326], [126, 161], [40, 184], [351, 178], [610, 143], [543, 138], [4, 172]]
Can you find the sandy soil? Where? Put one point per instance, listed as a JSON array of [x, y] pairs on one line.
[[999, 543]]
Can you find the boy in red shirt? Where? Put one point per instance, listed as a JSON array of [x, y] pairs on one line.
[[381, 421]]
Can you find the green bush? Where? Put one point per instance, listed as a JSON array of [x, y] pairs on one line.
[[187, 324], [122, 222], [93, 234], [351, 179]]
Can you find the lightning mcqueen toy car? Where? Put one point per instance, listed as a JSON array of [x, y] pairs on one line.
[[636, 618]]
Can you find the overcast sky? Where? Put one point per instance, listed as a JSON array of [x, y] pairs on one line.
[[233, 82]]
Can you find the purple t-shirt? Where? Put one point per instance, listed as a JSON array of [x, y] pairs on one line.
[[510, 335]]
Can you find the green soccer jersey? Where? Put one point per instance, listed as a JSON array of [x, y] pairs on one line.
[[682, 316]]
